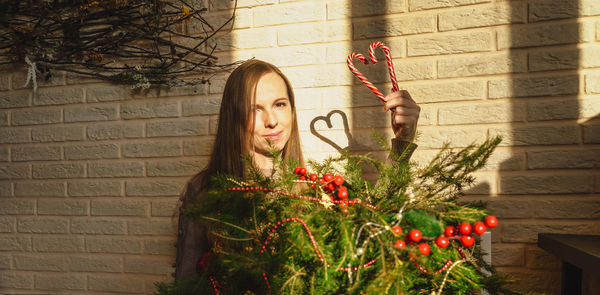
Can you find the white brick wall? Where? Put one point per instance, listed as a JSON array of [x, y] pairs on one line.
[[90, 173]]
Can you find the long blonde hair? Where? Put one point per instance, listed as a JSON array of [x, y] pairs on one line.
[[234, 115]]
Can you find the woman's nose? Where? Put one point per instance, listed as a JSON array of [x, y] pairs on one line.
[[270, 119]]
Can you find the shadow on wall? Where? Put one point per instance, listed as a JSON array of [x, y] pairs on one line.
[[547, 185]]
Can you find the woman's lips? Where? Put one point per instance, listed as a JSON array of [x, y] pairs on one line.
[[274, 136]]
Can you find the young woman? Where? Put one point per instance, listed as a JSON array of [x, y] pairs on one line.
[[258, 106]]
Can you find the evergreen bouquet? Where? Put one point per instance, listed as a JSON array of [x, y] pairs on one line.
[[327, 230]]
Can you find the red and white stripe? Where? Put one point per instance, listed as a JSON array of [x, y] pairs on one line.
[[361, 77], [388, 59]]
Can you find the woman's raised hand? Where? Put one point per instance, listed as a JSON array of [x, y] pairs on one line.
[[404, 112]]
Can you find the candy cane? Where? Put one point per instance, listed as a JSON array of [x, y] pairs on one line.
[[388, 59], [361, 77]]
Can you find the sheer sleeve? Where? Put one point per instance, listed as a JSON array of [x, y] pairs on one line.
[[404, 149], [192, 243]]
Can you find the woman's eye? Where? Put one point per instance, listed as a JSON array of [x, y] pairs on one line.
[[281, 104]]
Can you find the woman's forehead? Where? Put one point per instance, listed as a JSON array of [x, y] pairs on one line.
[[270, 87]]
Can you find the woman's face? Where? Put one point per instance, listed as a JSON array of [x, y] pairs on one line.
[[271, 115]]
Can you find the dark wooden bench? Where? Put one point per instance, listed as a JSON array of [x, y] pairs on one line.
[[577, 252]]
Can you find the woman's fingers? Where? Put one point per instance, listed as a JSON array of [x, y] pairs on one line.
[[404, 114], [399, 99]]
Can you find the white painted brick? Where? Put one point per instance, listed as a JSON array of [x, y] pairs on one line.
[[15, 135], [154, 109], [592, 83], [118, 208], [3, 118], [190, 127], [58, 243], [536, 86], [446, 91], [481, 64], [544, 184], [436, 137], [356, 8], [113, 245], [115, 283], [550, 10], [297, 55], [306, 11], [39, 189], [589, 107], [308, 98], [51, 96], [199, 147], [537, 135], [483, 16], [553, 110], [315, 76], [161, 227], [35, 153], [228, 4], [153, 188], [94, 263], [572, 159], [429, 4], [36, 116], [542, 35], [90, 113], [244, 39], [57, 133], [108, 93], [147, 265], [450, 43], [482, 113], [15, 99], [118, 130], [554, 60], [589, 54], [62, 207], [314, 33], [393, 26]]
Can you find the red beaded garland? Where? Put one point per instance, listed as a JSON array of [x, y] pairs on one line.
[[424, 249], [491, 221], [267, 282], [415, 235], [465, 228], [310, 236], [479, 228], [449, 231], [397, 230], [442, 242], [355, 268], [467, 241], [214, 284], [399, 244], [342, 192]]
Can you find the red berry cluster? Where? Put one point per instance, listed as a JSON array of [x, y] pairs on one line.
[[413, 236], [330, 184], [465, 229]]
